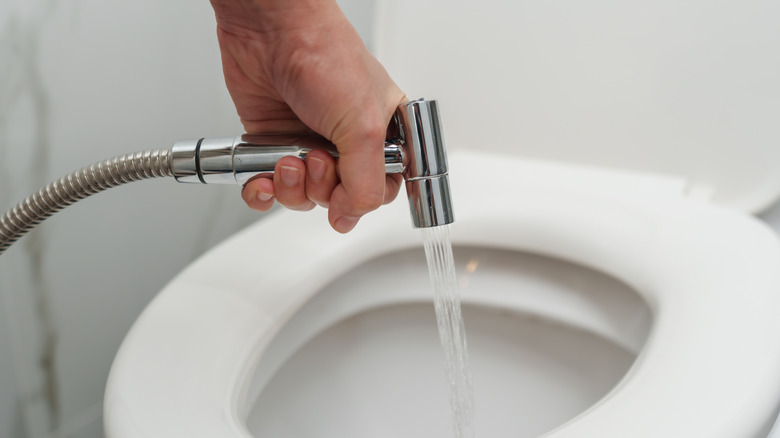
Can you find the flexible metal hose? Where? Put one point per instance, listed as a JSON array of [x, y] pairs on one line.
[[418, 153], [78, 185]]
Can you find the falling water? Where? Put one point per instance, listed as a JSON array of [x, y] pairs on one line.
[[441, 265]]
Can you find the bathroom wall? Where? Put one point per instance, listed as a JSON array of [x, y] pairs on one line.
[[82, 80]]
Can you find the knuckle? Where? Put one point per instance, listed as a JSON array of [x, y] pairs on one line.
[[374, 130], [367, 202]]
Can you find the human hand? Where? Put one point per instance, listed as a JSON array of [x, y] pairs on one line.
[[299, 66]]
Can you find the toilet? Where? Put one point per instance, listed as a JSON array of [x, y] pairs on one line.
[[606, 160]]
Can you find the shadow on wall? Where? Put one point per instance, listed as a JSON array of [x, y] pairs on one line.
[[25, 153], [84, 80], [772, 217]]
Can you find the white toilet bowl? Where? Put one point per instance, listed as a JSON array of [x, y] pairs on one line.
[[640, 301], [199, 359]]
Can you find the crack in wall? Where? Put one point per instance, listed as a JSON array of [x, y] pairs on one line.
[[20, 46]]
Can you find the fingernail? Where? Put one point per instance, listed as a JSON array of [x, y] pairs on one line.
[[316, 168], [290, 176], [264, 196], [345, 224]]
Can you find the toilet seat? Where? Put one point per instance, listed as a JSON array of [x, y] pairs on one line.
[[709, 274], [622, 85]]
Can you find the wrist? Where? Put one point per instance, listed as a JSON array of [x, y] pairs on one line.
[[272, 16]]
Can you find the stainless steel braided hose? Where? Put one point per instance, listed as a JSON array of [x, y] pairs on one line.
[[78, 185]]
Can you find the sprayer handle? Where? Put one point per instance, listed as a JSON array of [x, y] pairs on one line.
[[236, 160]]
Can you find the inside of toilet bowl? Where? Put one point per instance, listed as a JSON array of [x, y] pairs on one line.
[[547, 339]]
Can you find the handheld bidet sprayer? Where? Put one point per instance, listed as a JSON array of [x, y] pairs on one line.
[[414, 148]]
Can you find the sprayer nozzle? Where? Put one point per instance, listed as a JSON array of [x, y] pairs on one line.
[[426, 174]]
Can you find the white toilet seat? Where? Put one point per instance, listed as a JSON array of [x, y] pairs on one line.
[[710, 275]]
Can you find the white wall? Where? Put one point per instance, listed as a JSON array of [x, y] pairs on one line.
[[82, 80], [9, 413]]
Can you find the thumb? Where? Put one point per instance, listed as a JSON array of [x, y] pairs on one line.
[[362, 173]]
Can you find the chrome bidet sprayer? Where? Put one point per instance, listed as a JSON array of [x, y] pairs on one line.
[[415, 148]]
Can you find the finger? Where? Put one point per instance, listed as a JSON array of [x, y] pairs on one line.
[[259, 194], [339, 220], [362, 187], [289, 184], [393, 184], [321, 177]]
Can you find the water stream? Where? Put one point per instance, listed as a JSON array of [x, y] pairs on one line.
[[452, 332]]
